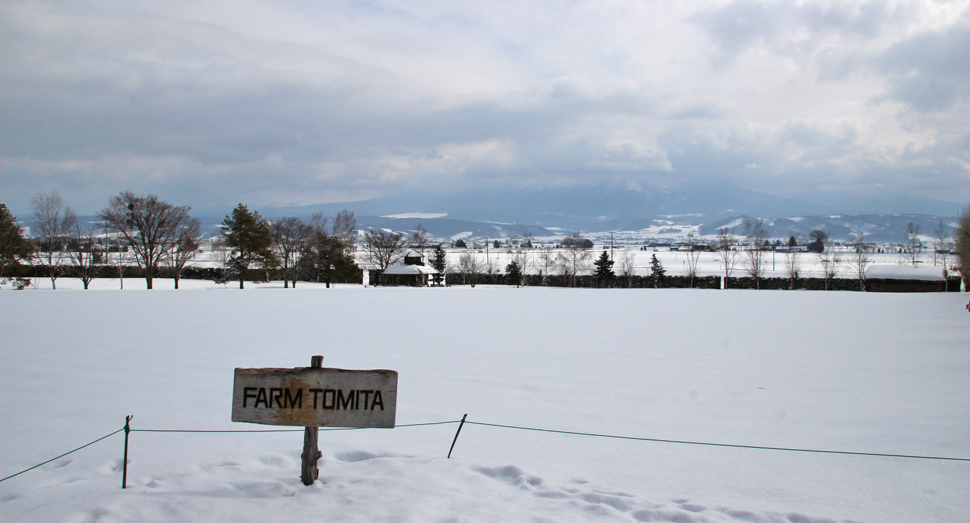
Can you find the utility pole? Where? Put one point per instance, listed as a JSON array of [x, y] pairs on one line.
[[611, 245]]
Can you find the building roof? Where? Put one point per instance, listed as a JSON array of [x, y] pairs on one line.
[[904, 272], [404, 269]]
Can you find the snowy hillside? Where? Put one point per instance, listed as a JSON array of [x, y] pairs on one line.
[[840, 371]]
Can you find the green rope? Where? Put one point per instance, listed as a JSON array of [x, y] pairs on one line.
[[214, 431], [62, 455], [534, 429], [715, 444]]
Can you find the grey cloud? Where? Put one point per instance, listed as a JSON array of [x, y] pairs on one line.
[[930, 71], [802, 154], [702, 111], [784, 26], [206, 114], [829, 143]]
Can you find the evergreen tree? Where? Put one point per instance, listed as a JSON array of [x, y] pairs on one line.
[[14, 247], [962, 238], [249, 237], [657, 271], [439, 263], [328, 258], [513, 273], [604, 268], [819, 238]]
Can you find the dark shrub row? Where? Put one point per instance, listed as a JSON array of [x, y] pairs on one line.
[[675, 282]]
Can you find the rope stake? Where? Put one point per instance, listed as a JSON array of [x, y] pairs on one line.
[[460, 425], [62, 455], [127, 430], [124, 466]]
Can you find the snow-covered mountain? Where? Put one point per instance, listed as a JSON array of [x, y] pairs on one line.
[[577, 207], [545, 211], [881, 228], [619, 206]]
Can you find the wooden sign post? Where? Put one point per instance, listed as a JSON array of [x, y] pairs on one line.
[[314, 397]]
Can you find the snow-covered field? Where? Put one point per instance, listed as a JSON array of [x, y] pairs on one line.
[[883, 373]]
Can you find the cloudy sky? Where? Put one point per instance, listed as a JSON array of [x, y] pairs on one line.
[[213, 102]]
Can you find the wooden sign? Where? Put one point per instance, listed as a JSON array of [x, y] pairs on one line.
[[315, 397]]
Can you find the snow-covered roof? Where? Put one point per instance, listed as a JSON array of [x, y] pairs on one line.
[[401, 268], [904, 272]]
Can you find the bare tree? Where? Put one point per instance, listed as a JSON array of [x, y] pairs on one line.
[[149, 225], [470, 266], [289, 235], [627, 265], [693, 255], [419, 239], [942, 247], [914, 247], [546, 263], [489, 264], [318, 222], [383, 248], [52, 224], [791, 261], [83, 254], [574, 259], [725, 251], [222, 254], [861, 259], [345, 228], [185, 247], [121, 259], [756, 238], [830, 259]]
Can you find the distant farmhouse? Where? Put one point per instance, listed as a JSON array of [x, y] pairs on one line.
[[411, 272]]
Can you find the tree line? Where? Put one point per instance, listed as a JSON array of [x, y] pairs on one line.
[[751, 248], [151, 233]]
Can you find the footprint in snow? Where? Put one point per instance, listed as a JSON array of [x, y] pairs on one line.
[[9, 497], [511, 474], [96, 515], [58, 464], [275, 461], [354, 456], [666, 514], [110, 466], [605, 499]]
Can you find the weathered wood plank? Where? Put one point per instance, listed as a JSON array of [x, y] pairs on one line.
[[309, 472], [315, 397]]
